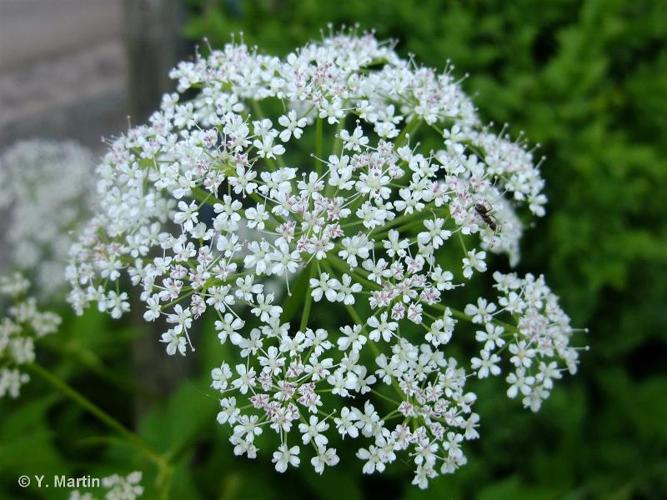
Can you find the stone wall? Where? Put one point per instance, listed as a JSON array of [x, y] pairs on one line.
[[62, 70]]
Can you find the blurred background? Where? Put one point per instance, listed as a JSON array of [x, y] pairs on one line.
[[586, 79], [62, 69]]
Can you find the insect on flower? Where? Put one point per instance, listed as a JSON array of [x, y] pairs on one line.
[[485, 213]]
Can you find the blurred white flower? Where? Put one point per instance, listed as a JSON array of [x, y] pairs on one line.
[[117, 488], [46, 188], [21, 325]]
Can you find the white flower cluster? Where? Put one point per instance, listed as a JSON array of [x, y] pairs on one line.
[[118, 488], [318, 155], [21, 324], [538, 343], [45, 192]]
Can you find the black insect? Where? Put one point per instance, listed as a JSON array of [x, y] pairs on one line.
[[485, 213]]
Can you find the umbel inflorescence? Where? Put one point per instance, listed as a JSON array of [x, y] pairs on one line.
[[369, 187]]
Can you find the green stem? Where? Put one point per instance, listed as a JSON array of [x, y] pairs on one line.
[[257, 109], [463, 244], [309, 300], [319, 139], [338, 141], [97, 412], [203, 196], [386, 398], [164, 480], [340, 264], [409, 129]]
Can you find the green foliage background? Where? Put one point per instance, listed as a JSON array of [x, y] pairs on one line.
[[587, 80]]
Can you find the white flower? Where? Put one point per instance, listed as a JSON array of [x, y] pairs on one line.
[[486, 364], [174, 341], [345, 290], [441, 330], [491, 336], [474, 261], [266, 148], [324, 285], [221, 377], [372, 458], [285, 456], [325, 456], [293, 126], [482, 312], [265, 308], [435, 234], [116, 303], [182, 318], [313, 432], [394, 245], [228, 326], [381, 328], [519, 383], [351, 338], [354, 141], [246, 379], [346, 423]]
